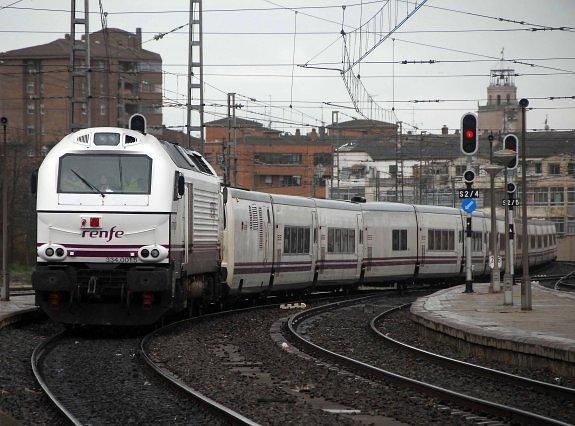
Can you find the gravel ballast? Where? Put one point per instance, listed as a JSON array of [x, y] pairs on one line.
[[20, 395], [346, 331], [234, 360], [99, 378]]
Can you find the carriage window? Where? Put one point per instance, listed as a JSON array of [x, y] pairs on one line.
[[532, 241], [441, 239], [296, 240], [539, 242], [340, 240], [92, 173], [477, 241], [399, 239]]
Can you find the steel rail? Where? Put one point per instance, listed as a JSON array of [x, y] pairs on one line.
[[229, 414], [361, 368], [562, 391], [37, 355]]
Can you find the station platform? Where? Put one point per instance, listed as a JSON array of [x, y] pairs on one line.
[[15, 305], [480, 318]]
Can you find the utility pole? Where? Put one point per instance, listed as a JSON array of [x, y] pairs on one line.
[[195, 69], [231, 139], [401, 159], [526, 302], [5, 294], [396, 163], [334, 122], [80, 73]]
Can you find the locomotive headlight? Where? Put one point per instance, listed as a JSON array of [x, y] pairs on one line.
[[153, 253], [52, 252]]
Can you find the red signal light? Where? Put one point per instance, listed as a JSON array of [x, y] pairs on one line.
[[94, 222], [469, 134]]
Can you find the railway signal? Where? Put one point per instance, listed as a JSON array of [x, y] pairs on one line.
[[468, 145], [511, 142], [469, 134]]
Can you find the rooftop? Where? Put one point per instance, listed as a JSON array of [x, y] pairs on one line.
[[60, 48]]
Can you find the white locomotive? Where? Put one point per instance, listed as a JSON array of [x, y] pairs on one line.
[[130, 228]]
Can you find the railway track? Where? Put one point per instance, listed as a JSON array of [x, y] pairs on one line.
[[111, 387], [452, 398], [567, 394]]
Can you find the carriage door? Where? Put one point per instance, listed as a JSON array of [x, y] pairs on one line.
[[315, 244], [360, 237]]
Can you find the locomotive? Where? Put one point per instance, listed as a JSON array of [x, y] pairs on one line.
[[131, 228]]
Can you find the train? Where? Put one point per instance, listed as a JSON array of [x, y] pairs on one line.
[[131, 228]]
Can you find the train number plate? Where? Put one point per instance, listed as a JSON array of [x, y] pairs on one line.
[[122, 259]]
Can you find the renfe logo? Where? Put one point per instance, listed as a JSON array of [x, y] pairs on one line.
[[109, 235]]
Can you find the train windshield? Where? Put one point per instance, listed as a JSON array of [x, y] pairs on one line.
[[105, 173]]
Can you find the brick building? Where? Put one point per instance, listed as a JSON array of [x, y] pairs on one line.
[[263, 159], [361, 128], [34, 82], [218, 130]]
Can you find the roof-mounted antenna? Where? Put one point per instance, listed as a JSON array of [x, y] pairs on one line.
[[138, 123]]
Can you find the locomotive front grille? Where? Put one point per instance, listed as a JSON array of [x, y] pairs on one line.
[[101, 283]]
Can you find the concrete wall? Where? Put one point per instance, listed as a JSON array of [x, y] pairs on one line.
[[566, 248]]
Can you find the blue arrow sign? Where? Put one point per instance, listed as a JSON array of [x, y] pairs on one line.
[[468, 205]]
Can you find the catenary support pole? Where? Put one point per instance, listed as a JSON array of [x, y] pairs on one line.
[[526, 303]]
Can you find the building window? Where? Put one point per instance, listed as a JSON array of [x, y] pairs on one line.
[[290, 180], [277, 158], [31, 108], [325, 159], [102, 92], [540, 196], [42, 109], [559, 226], [538, 167], [30, 88], [554, 168], [31, 68], [460, 169], [570, 225], [392, 170], [30, 130], [556, 195], [84, 108], [571, 195], [399, 239], [571, 169], [340, 240], [508, 98], [150, 66], [498, 99], [440, 240], [296, 240], [103, 109]]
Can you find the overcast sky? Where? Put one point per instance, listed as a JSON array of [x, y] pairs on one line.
[[230, 40]]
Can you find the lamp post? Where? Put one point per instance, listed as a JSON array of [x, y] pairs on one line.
[[5, 291], [526, 283], [495, 283], [504, 157]]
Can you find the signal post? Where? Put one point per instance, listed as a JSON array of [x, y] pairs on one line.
[[510, 144], [469, 147]]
